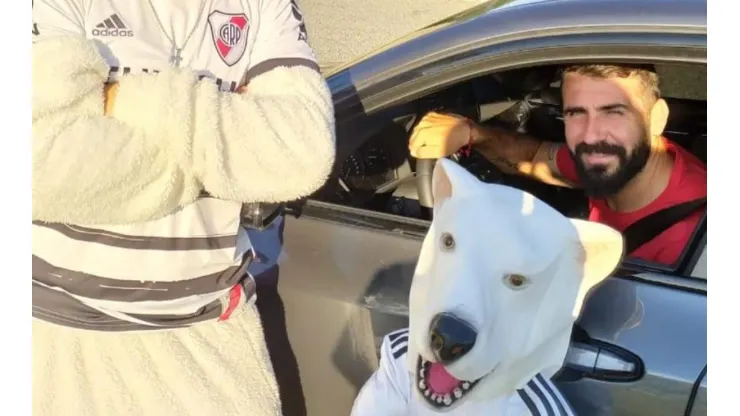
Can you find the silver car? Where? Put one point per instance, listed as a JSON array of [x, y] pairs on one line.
[[349, 251]]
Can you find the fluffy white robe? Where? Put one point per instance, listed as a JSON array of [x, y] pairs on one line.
[[216, 368], [170, 138]]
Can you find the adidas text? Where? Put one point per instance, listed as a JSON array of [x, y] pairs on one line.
[[112, 26], [113, 32]]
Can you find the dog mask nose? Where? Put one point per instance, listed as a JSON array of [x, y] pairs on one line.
[[450, 337]]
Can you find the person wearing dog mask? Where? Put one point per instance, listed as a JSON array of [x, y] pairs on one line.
[[491, 308], [615, 150], [154, 123]]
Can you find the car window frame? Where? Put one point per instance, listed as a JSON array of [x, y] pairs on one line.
[[674, 47], [559, 47], [699, 269]]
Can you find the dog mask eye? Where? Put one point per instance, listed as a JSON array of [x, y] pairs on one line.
[[515, 281], [448, 242]]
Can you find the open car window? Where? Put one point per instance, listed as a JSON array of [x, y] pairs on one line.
[[380, 176]]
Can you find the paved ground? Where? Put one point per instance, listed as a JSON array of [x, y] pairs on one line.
[[340, 30]]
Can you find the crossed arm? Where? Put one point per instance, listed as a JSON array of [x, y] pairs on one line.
[[110, 90], [167, 137]]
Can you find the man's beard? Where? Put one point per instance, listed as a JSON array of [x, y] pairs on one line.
[[596, 181]]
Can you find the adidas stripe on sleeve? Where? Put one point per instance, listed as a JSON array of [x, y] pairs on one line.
[[540, 397], [388, 390]]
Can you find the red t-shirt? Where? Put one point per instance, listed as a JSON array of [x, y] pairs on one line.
[[688, 181]]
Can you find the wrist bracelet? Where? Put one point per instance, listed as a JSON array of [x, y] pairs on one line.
[[465, 150]]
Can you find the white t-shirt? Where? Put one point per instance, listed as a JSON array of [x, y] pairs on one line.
[[389, 392], [232, 41]]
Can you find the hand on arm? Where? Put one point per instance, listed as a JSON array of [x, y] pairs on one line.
[[109, 97]]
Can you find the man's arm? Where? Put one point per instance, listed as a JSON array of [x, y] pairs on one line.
[[520, 154], [169, 137], [442, 134]]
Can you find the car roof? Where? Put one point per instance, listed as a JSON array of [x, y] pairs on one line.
[[499, 18], [520, 3]]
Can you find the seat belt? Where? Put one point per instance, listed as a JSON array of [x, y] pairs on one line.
[[647, 228]]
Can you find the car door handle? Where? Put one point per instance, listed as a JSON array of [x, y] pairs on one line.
[[603, 361]]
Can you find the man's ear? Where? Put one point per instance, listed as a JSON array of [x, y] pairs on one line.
[[602, 250], [658, 118]]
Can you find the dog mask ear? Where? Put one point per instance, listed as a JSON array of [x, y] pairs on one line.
[[450, 179], [602, 251]]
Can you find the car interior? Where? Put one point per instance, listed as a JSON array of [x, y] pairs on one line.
[[381, 175]]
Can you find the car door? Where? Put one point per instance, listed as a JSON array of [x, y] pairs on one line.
[[345, 272], [639, 346]]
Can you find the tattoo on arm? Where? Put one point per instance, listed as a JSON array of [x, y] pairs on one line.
[[507, 165], [552, 152]]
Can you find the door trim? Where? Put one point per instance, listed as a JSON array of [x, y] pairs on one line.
[[416, 229]]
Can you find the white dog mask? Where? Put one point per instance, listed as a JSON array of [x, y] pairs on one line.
[[500, 280]]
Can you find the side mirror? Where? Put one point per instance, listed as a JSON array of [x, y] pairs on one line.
[[260, 215]]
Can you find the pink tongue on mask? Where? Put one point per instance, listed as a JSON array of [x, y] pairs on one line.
[[440, 381]]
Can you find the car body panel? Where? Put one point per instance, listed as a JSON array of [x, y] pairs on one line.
[[345, 273], [664, 326]]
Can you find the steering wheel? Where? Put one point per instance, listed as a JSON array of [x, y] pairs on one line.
[[424, 170], [484, 169], [480, 166]]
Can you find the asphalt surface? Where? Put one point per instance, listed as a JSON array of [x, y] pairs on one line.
[[342, 30]]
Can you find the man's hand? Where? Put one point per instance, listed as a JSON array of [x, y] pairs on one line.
[[439, 135], [110, 91]]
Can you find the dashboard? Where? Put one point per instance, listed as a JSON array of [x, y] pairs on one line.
[[367, 168]]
